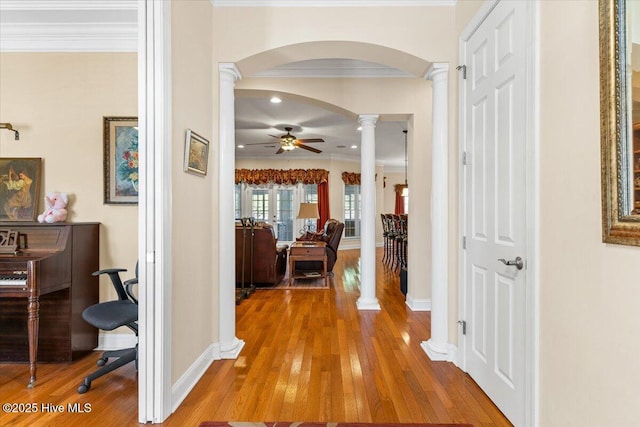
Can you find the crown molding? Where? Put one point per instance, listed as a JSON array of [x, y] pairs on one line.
[[331, 3], [34, 5], [95, 37], [333, 69], [69, 26]]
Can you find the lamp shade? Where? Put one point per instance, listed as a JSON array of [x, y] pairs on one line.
[[308, 211]]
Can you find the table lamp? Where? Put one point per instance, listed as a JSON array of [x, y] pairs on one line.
[[308, 211]]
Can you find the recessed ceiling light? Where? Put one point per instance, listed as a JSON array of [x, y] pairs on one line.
[[276, 100], [359, 128], [240, 146], [354, 146]]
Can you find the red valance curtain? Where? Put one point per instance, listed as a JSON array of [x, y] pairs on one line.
[[399, 208], [351, 178], [281, 176]]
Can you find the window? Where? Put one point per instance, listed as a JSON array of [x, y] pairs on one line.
[[405, 201], [237, 201], [351, 211], [260, 204], [310, 195], [277, 205], [284, 214]]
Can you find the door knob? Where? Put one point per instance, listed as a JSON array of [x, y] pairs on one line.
[[517, 262]]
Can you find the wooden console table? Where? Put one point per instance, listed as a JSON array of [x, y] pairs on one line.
[[308, 251]]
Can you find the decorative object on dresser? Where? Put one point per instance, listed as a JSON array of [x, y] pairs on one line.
[[47, 284], [196, 153], [19, 188], [55, 208], [121, 177]]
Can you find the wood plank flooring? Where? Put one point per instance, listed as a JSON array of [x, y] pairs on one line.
[[309, 356]]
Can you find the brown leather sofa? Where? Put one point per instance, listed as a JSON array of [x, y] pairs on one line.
[[269, 259], [331, 235]]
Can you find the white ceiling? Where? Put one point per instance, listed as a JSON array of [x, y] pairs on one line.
[[257, 118], [110, 26]]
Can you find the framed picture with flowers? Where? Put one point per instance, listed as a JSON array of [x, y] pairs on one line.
[[120, 160]]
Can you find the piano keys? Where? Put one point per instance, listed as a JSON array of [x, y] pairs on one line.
[[14, 278], [44, 287]]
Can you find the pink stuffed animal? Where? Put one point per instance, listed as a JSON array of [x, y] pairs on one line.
[[55, 208]]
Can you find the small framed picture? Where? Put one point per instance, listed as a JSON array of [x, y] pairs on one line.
[[121, 177], [196, 153], [19, 188]]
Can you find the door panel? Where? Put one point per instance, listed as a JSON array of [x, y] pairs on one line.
[[495, 221]]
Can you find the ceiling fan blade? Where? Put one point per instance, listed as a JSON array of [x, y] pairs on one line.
[[280, 151], [262, 143], [311, 140], [306, 147], [274, 136]]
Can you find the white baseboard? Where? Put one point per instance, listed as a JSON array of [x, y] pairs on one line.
[[108, 342], [418, 304], [450, 356], [190, 378]]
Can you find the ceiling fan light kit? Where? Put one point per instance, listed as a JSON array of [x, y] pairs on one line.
[[289, 142]]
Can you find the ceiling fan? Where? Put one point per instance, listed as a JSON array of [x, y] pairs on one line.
[[289, 142]]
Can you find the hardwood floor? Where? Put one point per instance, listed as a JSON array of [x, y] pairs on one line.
[[309, 356]]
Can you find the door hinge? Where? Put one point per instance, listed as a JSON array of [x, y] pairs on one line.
[[464, 326], [464, 158], [464, 71], [464, 242]]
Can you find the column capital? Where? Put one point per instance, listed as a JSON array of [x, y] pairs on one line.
[[230, 69], [367, 119], [437, 70]]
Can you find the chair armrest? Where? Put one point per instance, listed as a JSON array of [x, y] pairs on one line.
[[108, 271], [128, 284]]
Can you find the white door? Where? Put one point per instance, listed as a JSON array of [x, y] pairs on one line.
[[495, 220]]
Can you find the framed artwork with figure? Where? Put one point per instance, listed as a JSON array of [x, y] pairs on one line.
[[121, 178], [19, 188]]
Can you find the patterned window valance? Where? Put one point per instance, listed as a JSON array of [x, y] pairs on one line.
[[399, 187], [351, 178], [281, 176]]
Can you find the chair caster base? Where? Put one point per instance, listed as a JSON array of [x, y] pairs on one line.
[[83, 388]]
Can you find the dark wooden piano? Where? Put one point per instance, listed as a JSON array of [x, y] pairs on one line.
[[44, 287]]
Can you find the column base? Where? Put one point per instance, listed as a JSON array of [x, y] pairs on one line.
[[231, 350], [437, 353], [371, 304]]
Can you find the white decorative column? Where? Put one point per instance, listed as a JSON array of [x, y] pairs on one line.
[[230, 346], [437, 346], [368, 300]]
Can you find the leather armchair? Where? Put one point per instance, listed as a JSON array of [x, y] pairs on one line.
[[331, 235], [269, 259]]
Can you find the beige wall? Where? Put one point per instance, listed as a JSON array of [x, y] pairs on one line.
[[57, 101], [194, 266], [589, 291], [393, 178]]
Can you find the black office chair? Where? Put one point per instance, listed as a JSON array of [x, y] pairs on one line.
[[109, 316]]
